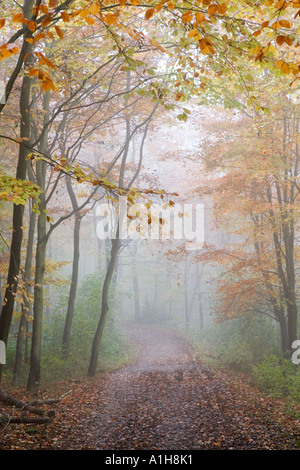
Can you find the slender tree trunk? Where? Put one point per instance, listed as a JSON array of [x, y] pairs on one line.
[[201, 320], [18, 210], [137, 309], [74, 283], [38, 305], [186, 300], [25, 302], [104, 306]]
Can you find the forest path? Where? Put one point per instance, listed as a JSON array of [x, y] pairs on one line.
[[164, 401], [167, 401]]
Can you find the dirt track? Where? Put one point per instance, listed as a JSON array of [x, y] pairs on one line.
[[164, 401]]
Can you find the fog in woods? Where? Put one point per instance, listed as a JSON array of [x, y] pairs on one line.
[[149, 228]]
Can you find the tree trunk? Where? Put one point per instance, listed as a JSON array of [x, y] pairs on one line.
[[38, 305], [137, 309], [73, 288], [18, 211], [104, 306], [25, 302]]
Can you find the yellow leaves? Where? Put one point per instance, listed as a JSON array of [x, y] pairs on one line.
[[194, 34], [156, 44], [2, 22], [94, 9]]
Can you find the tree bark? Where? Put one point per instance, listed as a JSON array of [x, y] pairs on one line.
[[38, 305], [75, 271], [25, 302], [18, 210], [104, 306]]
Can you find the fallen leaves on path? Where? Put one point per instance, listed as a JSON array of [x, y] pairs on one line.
[[165, 401]]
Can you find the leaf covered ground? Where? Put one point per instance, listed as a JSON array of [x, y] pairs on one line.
[[164, 401]]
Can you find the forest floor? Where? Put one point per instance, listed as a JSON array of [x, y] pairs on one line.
[[164, 401]]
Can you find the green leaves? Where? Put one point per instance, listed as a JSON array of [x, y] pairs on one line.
[[17, 191]]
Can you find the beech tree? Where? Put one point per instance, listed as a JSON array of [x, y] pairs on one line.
[[257, 195]]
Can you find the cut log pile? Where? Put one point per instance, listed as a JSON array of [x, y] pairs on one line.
[[41, 415]]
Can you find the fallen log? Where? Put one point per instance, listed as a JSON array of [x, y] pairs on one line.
[[11, 401], [6, 419], [49, 401], [43, 417]]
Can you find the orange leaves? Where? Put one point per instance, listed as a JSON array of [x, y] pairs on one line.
[[194, 34], [187, 17], [94, 9], [89, 20], [281, 24], [281, 4], [59, 32], [284, 39], [206, 46], [199, 17], [65, 16], [149, 13], [18, 18], [7, 50], [44, 77], [178, 96], [44, 60], [212, 9], [47, 83], [286, 68], [2, 22], [110, 19]]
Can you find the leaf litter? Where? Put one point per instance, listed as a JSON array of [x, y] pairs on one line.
[[166, 400]]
